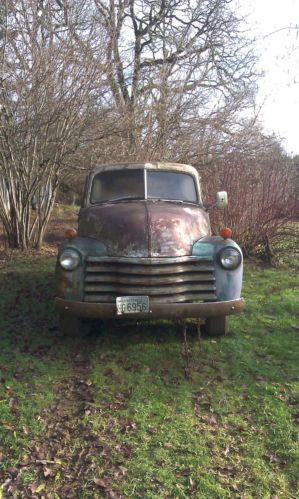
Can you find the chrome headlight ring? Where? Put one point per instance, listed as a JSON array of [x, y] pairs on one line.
[[69, 259], [229, 258]]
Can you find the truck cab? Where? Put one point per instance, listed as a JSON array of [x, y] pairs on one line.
[[144, 250]]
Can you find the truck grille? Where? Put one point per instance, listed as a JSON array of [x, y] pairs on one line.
[[164, 280]]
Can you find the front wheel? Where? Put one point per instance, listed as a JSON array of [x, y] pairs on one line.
[[216, 326], [69, 325]]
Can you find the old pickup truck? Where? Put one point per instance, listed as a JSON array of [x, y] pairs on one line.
[[144, 250]]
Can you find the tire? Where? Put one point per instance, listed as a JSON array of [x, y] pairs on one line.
[[216, 326], [70, 325]]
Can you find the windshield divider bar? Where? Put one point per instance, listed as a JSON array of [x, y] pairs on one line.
[[145, 182]]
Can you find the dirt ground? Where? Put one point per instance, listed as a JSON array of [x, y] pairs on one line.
[[62, 219]]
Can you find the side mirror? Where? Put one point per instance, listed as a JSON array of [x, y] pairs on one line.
[[221, 199]]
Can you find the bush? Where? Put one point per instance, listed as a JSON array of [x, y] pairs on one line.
[[262, 197]]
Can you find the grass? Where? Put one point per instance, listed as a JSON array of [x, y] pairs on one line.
[[64, 210], [227, 430], [212, 419], [30, 366]]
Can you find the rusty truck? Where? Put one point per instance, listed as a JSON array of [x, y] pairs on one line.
[[144, 250]]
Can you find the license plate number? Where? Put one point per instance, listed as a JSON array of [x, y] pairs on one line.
[[132, 304]]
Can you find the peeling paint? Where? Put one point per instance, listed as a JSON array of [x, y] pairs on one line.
[[228, 282], [145, 228]]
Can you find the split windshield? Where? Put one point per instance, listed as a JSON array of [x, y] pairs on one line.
[[118, 185]]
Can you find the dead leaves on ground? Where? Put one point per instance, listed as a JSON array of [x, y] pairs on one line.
[[62, 461]]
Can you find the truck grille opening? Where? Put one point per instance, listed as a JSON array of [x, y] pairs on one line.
[[164, 280]]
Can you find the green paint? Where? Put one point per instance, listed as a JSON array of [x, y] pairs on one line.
[[203, 250]]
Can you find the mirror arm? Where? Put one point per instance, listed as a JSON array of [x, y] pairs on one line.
[[210, 206]]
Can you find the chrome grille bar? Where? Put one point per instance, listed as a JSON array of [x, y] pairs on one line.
[[165, 280]]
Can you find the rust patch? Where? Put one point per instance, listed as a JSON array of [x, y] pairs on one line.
[[145, 228], [121, 226], [175, 227]]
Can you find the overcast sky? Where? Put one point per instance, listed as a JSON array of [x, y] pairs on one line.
[[279, 59]]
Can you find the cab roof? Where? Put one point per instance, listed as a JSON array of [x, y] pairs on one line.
[[147, 166]]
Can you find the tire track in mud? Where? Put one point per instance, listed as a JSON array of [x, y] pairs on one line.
[[61, 461]]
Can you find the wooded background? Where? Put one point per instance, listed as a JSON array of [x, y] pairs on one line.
[[87, 82]]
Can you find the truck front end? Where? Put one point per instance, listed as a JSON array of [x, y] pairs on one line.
[[144, 251]]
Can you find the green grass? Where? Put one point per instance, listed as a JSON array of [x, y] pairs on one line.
[[30, 363], [286, 249], [215, 423], [61, 210], [230, 428]]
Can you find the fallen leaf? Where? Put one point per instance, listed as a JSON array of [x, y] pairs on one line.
[[47, 472], [152, 430], [12, 471], [8, 425], [24, 461], [100, 483], [40, 488], [211, 420], [123, 470], [12, 403], [296, 417]]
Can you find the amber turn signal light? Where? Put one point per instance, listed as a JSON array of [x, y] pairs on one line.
[[226, 233], [70, 233]]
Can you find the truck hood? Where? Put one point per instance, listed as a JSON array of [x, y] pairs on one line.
[[145, 228]]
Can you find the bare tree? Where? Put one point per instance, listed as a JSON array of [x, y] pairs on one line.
[[46, 91], [84, 82], [170, 67]]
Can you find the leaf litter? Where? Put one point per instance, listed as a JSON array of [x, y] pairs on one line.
[[61, 462]]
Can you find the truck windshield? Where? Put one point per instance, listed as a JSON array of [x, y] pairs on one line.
[[116, 185], [171, 185]]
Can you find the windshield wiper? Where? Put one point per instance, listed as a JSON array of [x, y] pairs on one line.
[[126, 198], [172, 200]]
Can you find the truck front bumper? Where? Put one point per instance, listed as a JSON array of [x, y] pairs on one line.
[[157, 311]]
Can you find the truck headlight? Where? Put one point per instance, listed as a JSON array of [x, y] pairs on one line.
[[69, 259], [230, 258]]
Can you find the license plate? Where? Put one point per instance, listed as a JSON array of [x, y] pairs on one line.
[[132, 304]]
